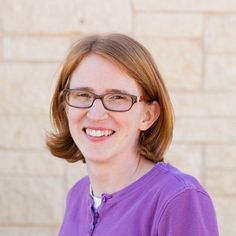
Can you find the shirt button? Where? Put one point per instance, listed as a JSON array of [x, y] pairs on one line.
[[104, 198]]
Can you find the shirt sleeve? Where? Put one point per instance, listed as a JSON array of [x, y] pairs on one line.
[[190, 212]]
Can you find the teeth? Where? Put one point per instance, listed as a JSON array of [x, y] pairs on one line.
[[98, 133]]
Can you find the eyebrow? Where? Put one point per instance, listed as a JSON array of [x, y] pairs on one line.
[[106, 91]]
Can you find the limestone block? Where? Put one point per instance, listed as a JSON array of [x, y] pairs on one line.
[[27, 87], [221, 182], [35, 48], [1, 48], [179, 61], [30, 16], [75, 171], [220, 73], [204, 104], [23, 132], [220, 34], [220, 157], [77, 16], [1, 25], [26, 231], [31, 200], [186, 5], [225, 210], [105, 16], [205, 130], [168, 25], [188, 158], [30, 163]]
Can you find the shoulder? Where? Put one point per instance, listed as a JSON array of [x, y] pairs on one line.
[[172, 181], [185, 204], [170, 184], [81, 187]]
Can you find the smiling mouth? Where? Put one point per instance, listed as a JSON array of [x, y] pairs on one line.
[[98, 133]]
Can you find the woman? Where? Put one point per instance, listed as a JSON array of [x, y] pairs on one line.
[[111, 110]]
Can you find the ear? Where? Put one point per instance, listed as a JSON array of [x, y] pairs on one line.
[[151, 113]]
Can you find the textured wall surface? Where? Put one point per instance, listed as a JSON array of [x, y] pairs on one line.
[[194, 44]]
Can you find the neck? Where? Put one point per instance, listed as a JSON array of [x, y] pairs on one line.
[[112, 177]]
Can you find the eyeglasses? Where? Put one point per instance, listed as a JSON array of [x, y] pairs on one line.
[[118, 102]]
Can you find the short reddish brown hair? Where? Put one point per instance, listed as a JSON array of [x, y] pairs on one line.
[[137, 62]]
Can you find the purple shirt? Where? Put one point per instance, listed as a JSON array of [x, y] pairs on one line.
[[164, 202]]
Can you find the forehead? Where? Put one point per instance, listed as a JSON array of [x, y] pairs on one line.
[[101, 75]]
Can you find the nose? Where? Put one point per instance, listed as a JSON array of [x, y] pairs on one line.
[[97, 112]]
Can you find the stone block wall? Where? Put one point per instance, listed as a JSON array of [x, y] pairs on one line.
[[194, 44]]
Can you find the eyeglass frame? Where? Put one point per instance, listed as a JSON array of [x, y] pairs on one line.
[[134, 99]]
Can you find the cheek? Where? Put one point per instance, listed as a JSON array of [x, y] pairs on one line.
[[130, 124], [74, 117]]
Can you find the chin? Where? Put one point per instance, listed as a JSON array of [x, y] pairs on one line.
[[95, 157]]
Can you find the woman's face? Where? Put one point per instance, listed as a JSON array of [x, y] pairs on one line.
[[103, 135]]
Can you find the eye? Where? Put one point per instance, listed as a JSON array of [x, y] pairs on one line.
[[81, 94], [84, 94], [118, 97]]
